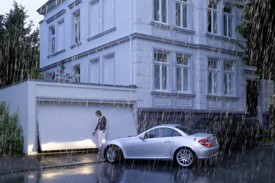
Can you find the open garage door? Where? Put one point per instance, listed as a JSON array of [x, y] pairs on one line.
[[63, 126]]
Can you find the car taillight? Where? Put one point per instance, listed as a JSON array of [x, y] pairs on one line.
[[205, 142]]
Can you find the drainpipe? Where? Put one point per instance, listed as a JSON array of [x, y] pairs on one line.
[[131, 31]]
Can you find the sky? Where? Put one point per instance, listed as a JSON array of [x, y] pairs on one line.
[[31, 7]]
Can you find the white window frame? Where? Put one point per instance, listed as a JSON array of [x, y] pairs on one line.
[[228, 79], [52, 39], [161, 64], [227, 21], [213, 21], [159, 16], [182, 4], [213, 72], [76, 27], [183, 67]]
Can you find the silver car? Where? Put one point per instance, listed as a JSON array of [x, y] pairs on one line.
[[164, 142]]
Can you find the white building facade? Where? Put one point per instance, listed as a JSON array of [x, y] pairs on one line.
[[181, 55]]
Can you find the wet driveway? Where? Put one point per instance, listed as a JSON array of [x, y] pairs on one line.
[[251, 165]]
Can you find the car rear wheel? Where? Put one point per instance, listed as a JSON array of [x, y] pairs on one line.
[[185, 157], [114, 154]]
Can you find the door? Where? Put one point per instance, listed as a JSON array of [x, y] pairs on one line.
[[63, 125], [155, 144]]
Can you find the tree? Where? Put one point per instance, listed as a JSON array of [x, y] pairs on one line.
[[19, 47], [258, 30]]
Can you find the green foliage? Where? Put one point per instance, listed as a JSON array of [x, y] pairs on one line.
[[258, 30], [11, 138], [19, 47]]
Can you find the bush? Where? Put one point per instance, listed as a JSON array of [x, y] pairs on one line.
[[11, 138]]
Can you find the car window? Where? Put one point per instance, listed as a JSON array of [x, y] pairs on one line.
[[168, 132], [176, 134], [161, 132], [152, 134]]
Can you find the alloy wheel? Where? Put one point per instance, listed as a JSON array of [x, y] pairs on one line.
[[185, 157]]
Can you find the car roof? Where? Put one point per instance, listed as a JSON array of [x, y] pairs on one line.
[[167, 125]]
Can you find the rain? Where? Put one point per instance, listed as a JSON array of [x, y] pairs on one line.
[[199, 75]]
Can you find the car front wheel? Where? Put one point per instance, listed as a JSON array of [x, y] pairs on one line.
[[185, 157], [113, 154]]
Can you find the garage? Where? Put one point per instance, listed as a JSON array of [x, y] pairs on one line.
[[69, 125]]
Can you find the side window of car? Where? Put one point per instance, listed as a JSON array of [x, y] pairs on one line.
[[167, 132], [160, 132], [176, 134], [152, 134]]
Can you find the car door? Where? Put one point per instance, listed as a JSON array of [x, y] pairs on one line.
[[156, 143]]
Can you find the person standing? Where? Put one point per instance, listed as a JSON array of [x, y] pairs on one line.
[[100, 128]]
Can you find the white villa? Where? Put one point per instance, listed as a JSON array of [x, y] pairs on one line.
[[142, 62]]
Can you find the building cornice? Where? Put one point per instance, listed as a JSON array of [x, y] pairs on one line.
[[88, 52], [49, 6], [57, 15], [185, 44]]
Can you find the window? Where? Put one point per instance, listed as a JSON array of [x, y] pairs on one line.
[[52, 39], [212, 76], [182, 73], [108, 14], [161, 132], [181, 13], [77, 74], [227, 21], [228, 78], [212, 17], [94, 18], [160, 11], [160, 70], [152, 134], [102, 16], [76, 27]]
